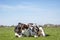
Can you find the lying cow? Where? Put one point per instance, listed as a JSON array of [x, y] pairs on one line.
[[30, 28], [37, 29], [19, 29]]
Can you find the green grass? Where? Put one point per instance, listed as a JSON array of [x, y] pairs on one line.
[[8, 34]]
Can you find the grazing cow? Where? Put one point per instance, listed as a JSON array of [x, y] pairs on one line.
[[30, 29]]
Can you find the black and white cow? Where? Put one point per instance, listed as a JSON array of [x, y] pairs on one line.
[[19, 29], [30, 28], [38, 30]]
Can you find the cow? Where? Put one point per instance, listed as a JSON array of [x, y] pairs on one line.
[[37, 29], [30, 28], [19, 29]]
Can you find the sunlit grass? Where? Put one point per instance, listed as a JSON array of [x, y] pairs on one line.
[[8, 34]]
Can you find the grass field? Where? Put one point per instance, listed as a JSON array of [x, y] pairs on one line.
[[8, 34]]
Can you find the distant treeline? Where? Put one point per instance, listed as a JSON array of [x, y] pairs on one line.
[[51, 25], [45, 25], [7, 26]]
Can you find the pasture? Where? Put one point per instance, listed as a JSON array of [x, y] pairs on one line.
[[7, 33]]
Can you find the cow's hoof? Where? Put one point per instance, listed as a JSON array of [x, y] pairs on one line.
[[35, 36]]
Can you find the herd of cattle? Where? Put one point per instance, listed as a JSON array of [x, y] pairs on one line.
[[30, 29]]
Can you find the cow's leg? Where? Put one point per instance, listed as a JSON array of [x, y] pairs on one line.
[[40, 28], [35, 34]]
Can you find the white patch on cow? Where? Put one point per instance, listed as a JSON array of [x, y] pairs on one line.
[[16, 34], [23, 31], [31, 27], [35, 36], [34, 24], [42, 31], [19, 36]]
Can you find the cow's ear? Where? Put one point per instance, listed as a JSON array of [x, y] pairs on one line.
[[27, 25]]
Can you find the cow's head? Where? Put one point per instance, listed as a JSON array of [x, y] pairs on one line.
[[19, 29]]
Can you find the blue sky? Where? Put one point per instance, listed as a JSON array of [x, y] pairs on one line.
[[28, 11]]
